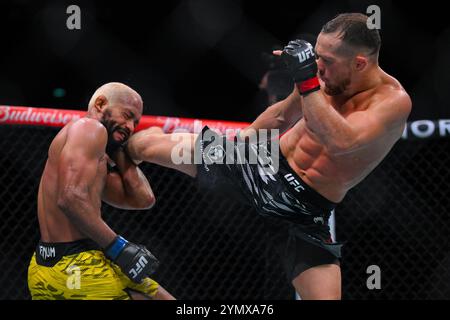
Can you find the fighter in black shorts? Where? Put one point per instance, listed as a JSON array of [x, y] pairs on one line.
[[342, 118], [275, 190]]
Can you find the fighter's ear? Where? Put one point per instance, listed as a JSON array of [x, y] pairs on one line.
[[360, 62], [100, 103]]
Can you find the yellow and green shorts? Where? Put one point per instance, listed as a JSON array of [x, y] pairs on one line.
[[79, 270]]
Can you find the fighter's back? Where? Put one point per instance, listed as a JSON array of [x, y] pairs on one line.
[[53, 223]]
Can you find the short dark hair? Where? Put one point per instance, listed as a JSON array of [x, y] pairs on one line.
[[353, 30]]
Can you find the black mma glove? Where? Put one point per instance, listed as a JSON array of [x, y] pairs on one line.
[[134, 260], [300, 60]]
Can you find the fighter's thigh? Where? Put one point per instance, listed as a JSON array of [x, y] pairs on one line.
[[322, 282], [84, 276]]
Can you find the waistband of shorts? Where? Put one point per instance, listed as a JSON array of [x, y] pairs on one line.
[[315, 197], [49, 253]]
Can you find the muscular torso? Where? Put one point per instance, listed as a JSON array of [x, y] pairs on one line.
[[333, 175], [53, 223]]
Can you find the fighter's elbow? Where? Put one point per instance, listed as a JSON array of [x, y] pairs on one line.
[[277, 117], [341, 147], [144, 203], [149, 202]]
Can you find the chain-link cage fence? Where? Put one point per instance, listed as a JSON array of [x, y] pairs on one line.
[[214, 248], [398, 219]]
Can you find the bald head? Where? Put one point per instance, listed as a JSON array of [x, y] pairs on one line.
[[118, 108], [116, 93]]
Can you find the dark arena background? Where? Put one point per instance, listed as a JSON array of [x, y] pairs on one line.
[[205, 59]]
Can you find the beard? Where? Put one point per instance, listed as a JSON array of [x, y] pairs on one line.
[[335, 90], [111, 126]]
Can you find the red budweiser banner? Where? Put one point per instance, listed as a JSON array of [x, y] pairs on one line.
[[418, 129], [59, 118]]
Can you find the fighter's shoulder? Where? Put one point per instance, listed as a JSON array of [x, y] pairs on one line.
[[88, 124], [393, 90], [88, 131], [393, 96]]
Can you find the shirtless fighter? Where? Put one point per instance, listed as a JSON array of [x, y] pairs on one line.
[[79, 256], [344, 116]]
